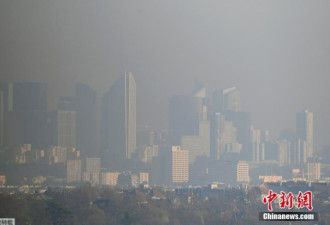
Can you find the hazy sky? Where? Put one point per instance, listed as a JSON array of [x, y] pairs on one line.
[[276, 52]]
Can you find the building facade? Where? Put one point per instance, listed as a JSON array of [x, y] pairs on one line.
[[119, 122]]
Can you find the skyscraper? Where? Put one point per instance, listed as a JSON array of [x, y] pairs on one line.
[[24, 110], [3, 111], [66, 123], [224, 136], [179, 165], [87, 129], [189, 124], [243, 172], [119, 121], [227, 99], [304, 126]]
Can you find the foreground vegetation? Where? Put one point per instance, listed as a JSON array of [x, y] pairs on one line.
[[88, 205]]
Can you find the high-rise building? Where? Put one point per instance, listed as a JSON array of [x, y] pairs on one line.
[[198, 145], [179, 165], [314, 171], [284, 152], [73, 171], [304, 125], [223, 136], [184, 116], [93, 165], [299, 154], [87, 127], [23, 110], [189, 124], [243, 172], [144, 177], [109, 178], [144, 136], [242, 122], [66, 123], [258, 137], [223, 172], [146, 154], [227, 99], [119, 121], [3, 111]]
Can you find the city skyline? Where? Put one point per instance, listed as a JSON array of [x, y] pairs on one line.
[[280, 64], [202, 111], [164, 112]]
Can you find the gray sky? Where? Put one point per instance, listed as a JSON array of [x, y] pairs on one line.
[[276, 52]]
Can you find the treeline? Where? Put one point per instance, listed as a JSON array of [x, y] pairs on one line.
[[88, 205]]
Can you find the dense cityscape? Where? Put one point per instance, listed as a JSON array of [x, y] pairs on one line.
[[210, 148], [208, 140], [164, 112]]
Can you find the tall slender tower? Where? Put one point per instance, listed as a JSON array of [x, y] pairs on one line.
[[227, 99], [119, 121], [304, 125], [87, 130]]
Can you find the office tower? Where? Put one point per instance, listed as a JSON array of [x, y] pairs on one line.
[[314, 171], [258, 138], [198, 145], [109, 178], [92, 171], [73, 170], [179, 165], [146, 154], [223, 136], [87, 127], [271, 151], [242, 122], [144, 178], [295, 148], [299, 152], [284, 150], [227, 99], [3, 111], [304, 125], [93, 165], [24, 109], [189, 123], [264, 135], [223, 172], [29, 108], [2, 179], [243, 172], [184, 115], [119, 121], [66, 123], [56, 154], [144, 136]]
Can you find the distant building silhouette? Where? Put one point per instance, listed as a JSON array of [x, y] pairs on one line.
[[87, 126], [4, 110], [227, 99], [23, 113], [242, 122], [189, 124], [73, 170], [243, 172], [179, 165], [223, 136], [119, 122], [304, 126], [66, 123]]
